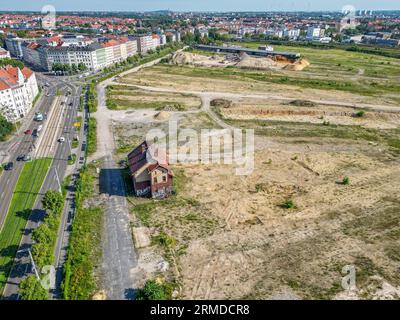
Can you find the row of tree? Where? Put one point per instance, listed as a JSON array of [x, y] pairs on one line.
[[44, 237], [69, 69]]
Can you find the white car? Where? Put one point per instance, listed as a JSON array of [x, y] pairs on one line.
[[62, 139], [40, 128]]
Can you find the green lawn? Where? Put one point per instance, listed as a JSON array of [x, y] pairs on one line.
[[23, 200]]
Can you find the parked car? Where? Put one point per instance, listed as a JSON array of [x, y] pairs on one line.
[[61, 139], [40, 128], [35, 133], [38, 117], [28, 132], [20, 157], [9, 166], [27, 158], [81, 160]]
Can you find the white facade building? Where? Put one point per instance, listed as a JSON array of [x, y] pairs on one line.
[[18, 89], [315, 33]]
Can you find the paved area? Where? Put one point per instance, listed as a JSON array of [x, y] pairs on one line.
[[22, 265], [119, 256]]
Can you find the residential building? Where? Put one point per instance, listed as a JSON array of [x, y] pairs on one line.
[[150, 172], [144, 43], [14, 46], [315, 33], [94, 56], [18, 89]]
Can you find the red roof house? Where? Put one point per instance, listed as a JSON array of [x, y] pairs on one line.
[[151, 175]]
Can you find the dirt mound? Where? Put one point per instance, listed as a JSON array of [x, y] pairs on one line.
[[182, 58], [302, 103], [257, 63], [221, 103], [298, 65], [162, 116]]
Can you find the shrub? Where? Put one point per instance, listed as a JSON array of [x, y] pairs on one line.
[[345, 181], [360, 114], [154, 290], [288, 204]]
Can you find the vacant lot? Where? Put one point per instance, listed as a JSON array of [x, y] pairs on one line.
[[126, 97], [306, 112], [323, 193]]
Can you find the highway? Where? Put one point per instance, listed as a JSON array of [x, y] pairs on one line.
[[60, 123]]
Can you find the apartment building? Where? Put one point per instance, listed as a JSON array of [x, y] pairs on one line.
[[315, 33], [18, 89], [144, 43], [94, 56], [14, 46]]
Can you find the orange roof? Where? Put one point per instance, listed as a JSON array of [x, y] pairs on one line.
[[3, 85], [9, 76], [27, 72], [33, 45], [110, 43]]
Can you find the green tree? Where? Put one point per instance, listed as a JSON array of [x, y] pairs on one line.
[[21, 33], [11, 62], [82, 67], [53, 201], [5, 128], [31, 289]]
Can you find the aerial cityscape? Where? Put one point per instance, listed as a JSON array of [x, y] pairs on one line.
[[163, 150]]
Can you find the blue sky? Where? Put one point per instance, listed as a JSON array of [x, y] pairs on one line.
[[199, 5]]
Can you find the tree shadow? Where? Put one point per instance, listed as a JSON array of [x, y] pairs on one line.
[[130, 294], [112, 182], [9, 251], [24, 214]]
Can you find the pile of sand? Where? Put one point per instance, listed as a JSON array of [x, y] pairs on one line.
[[182, 58], [246, 61], [257, 63], [298, 65], [162, 116]]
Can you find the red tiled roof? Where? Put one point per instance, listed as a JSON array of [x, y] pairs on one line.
[[9, 76], [27, 72]]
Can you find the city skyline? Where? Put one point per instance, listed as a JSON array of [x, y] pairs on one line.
[[206, 5]]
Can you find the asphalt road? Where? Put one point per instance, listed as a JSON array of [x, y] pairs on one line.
[[119, 255], [55, 175], [21, 145]]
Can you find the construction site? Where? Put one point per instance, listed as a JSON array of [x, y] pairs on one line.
[[239, 60], [323, 193]]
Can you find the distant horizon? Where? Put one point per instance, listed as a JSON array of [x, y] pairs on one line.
[[206, 11], [196, 6]]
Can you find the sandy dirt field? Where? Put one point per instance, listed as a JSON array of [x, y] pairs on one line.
[[287, 229], [263, 109], [182, 79]]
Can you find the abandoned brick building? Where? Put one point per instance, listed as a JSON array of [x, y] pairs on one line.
[[151, 175]]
